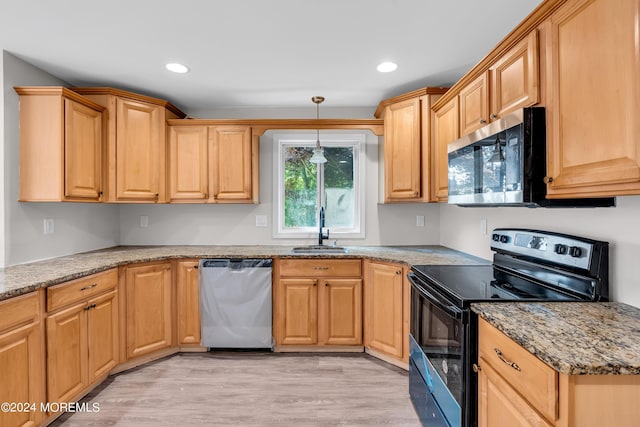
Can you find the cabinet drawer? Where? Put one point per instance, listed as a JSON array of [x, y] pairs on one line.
[[321, 267], [19, 310], [533, 379], [79, 289]]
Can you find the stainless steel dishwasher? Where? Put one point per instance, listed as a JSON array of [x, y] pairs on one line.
[[235, 303]]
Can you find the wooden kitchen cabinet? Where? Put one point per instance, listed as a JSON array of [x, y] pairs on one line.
[[593, 145], [22, 358], [516, 388], [149, 308], [188, 164], [61, 142], [445, 131], [231, 164], [188, 303], [136, 144], [82, 334], [318, 302], [474, 104], [386, 325], [407, 136], [515, 78], [212, 164]]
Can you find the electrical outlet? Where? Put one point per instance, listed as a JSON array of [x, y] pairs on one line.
[[48, 226], [419, 220], [144, 221], [483, 226], [261, 220]]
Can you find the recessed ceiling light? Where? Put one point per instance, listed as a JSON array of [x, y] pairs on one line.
[[177, 68], [387, 67]]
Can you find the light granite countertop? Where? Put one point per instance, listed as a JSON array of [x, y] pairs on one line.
[[20, 279], [574, 338]]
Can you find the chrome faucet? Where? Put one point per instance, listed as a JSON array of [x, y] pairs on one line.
[[321, 235]]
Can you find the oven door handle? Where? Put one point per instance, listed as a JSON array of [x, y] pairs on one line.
[[436, 298]]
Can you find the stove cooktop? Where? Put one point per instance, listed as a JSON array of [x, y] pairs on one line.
[[474, 283]]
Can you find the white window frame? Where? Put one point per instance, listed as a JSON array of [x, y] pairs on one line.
[[327, 139]]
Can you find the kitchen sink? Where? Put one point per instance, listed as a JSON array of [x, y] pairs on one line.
[[319, 249]]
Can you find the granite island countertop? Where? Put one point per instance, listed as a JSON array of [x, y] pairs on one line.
[[20, 279], [574, 338]]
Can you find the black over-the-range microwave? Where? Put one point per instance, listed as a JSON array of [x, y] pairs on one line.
[[504, 164]]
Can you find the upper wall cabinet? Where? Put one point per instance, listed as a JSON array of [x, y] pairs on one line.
[[512, 82], [136, 144], [61, 141], [407, 136], [214, 164], [445, 130], [593, 131]]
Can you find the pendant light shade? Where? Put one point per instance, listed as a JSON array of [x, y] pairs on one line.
[[318, 152]]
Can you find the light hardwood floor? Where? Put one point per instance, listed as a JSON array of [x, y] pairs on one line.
[[253, 389]]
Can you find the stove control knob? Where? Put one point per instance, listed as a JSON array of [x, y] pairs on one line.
[[504, 239], [495, 237], [560, 249], [575, 251]]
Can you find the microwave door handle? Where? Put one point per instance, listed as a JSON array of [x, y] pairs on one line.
[[437, 300]]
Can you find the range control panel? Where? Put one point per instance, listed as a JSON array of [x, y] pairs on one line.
[[561, 249]]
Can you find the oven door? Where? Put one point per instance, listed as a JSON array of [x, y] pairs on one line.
[[438, 341]]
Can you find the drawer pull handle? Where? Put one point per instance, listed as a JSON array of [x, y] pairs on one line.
[[84, 288], [514, 365], [319, 268], [89, 307]]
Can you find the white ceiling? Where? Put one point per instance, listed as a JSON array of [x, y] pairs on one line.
[[258, 53]]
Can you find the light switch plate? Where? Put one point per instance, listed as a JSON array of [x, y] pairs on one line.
[[261, 220], [419, 220], [144, 221]]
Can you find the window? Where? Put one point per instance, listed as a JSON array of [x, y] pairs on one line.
[[303, 187]]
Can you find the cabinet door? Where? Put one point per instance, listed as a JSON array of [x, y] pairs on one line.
[[297, 312], [445, 130], [594, 114], [384, 309], [402, 151], [139, 150], [102, 334], [21, 370], [149, 308], [188, 162], [500, 405], [231, 163], [82, 151], [340, 311], [67, 353], [474, 105], [514, 78], [188, 300]]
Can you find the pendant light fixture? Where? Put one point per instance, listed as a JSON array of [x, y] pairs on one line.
[[498, 155], [318, 152]]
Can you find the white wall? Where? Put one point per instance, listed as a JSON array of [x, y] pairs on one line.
[[235, 224], [78, 226], [460, 229]]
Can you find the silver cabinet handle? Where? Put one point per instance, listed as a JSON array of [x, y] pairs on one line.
[[84, 288], [319, 268], [482, 121], [494, 116], [514, 365]]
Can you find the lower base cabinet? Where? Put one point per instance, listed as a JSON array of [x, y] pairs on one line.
[[188, 303], [317, 304], [149, 308], [22, 359], [515, 388], [82, 334], [386, 295]]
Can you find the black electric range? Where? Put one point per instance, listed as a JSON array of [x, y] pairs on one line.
[[528, 265]]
